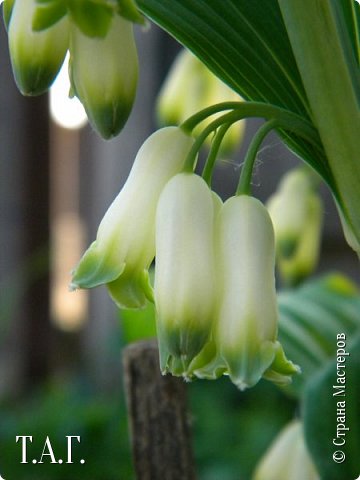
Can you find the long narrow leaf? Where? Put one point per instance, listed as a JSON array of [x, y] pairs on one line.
[[245, 43]]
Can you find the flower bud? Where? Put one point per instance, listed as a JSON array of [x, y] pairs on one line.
[[36, 56], [246, 332], [184, 271], [103, 73], [125, 243], [191, 87], [287, 458], [181, 92], [296, 212]]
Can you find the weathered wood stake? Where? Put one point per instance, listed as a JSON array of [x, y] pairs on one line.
[[159, 423]]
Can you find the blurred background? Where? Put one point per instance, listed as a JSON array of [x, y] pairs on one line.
[[60, 352]]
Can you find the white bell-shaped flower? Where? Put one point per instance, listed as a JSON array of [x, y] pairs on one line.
[[36, 56], [125, 243], [103, 74], [247, 316], [184, 271]]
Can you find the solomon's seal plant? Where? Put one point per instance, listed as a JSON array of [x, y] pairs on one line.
[[294, 64]]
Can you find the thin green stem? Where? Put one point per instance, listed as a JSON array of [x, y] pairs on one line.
[[189, 124], [244, 185], [191, 158], [211, 159], [286, 120]]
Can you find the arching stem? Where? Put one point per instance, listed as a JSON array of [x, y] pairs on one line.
[[211, 159], [244, 185]]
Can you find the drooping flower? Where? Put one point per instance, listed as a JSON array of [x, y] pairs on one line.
[[184, 271], [36, 56], [247, 314], [125, 243], [103, 73], [287, 458], [296, 212]]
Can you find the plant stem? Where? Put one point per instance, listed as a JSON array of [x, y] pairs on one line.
[[244, 186], [215, 146], [328, 67], [286, 120]]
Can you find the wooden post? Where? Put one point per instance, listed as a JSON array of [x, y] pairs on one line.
[[159, 424]]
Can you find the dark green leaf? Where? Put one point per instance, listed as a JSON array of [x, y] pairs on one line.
[[245, 44], [324, 421], [351, 13]]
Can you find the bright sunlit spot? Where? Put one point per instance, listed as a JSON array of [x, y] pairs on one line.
[[65, 111]]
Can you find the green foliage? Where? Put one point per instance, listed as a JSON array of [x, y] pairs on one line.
[[311, 317], [232, 429], [246, 45], [93, 17]]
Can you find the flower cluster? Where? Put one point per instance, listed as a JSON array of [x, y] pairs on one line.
[[103, 66], [214, 288]]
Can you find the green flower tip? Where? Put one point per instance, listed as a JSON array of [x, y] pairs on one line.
[[109, 119], [281, 370], [131, 290], [95, 269], [34, 79], [36, 57], [104, 73], [178, 348]]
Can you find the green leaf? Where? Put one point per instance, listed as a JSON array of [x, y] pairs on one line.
[[91, 16], [311, 317], [325, 412], [244, 43], [351, 12], [48, 14], [323, 49]]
